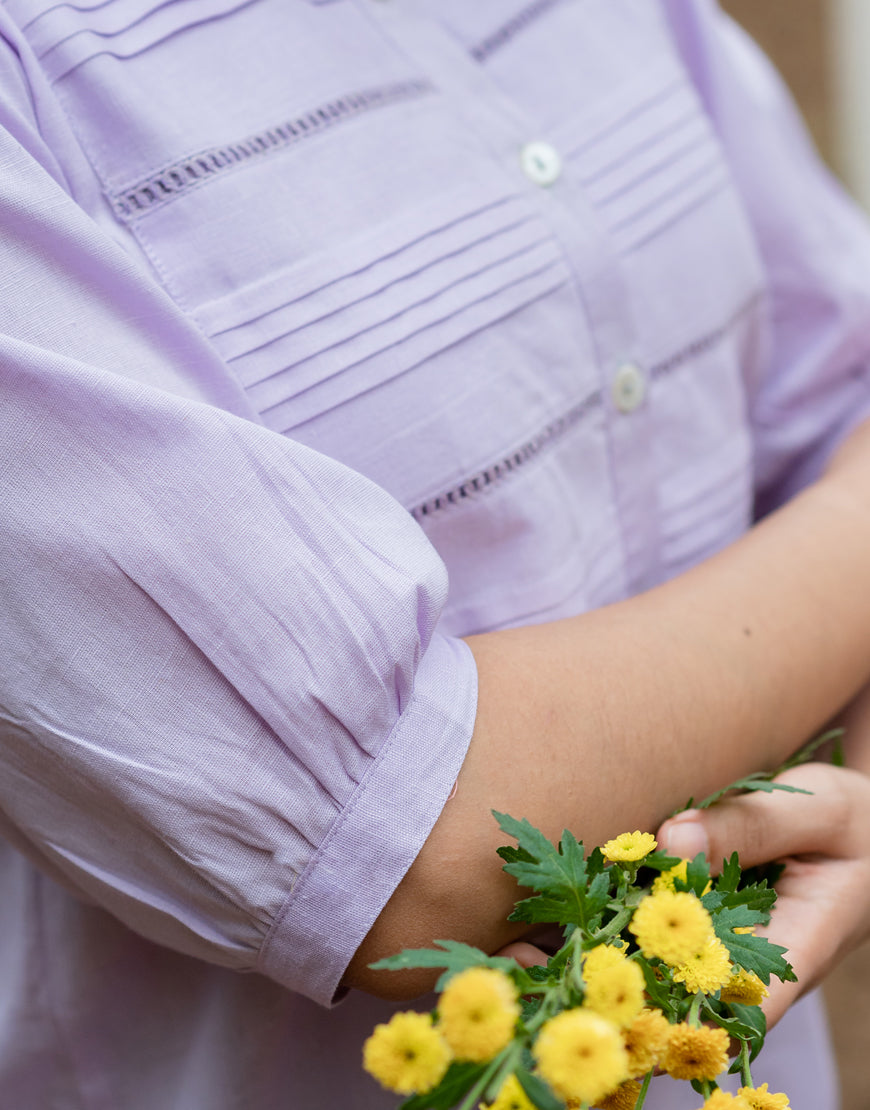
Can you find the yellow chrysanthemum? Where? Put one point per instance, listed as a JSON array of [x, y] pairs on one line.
[[629, 847], [602, 956], [646, 1040], [722, 1100], [696, 1052], [581, 1055], [744, 987], [615, 992], [623, 1098], [758, 1098], [511, 1096], [407, 1055], [666, 880], [672, 925], [707, 970], [477, 1013]]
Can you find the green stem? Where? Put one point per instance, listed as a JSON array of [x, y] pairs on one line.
[[576, 968], [614, 926], [482, 1083], [744, 1063], [693, 1017], [647, 1079], [512, 1056]]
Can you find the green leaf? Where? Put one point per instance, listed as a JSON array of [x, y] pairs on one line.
[[452, 956], [538, 1091], [768, 787], [752, 953], [729, 878], [758, 899], [697, 876], [514, 855], [806, 753], [572, 889], [752, 1016], [735, 1026], [660, 861], [658, 990], [759, 780], [458, 1080]]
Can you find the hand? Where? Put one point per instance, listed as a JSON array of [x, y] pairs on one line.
[[823, 907]]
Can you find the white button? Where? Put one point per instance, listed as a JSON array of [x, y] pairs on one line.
[[629, 387], [541, 163]]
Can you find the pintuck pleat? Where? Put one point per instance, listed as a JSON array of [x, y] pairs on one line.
[[381, 307], [65, 36]]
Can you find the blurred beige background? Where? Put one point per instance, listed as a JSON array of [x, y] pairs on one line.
[[822, 48]]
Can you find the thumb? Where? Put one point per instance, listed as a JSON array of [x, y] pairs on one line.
[[763, 826]]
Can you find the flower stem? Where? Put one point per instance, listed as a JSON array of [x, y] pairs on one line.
[[482, 1083], [693, 1017], [616, 925], [643, 1090], [744, 1063]]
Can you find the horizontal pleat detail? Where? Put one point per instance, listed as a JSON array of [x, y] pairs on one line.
[[382, 306], [65, 36], [653, 161]]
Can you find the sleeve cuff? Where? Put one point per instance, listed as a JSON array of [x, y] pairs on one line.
[[377, 836]]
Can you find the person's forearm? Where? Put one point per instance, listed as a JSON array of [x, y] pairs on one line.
[[611, 719]]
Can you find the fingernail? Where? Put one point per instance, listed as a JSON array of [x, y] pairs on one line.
[[686, 837]]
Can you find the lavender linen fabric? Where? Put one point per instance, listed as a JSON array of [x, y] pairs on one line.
[[310, 365]]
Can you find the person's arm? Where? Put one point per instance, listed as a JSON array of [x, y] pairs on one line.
[[613, 719]]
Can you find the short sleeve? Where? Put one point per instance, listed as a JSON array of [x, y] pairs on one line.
[[815, 248], [226, 715]]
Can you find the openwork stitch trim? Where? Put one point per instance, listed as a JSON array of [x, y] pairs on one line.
[[170, 182], [703, 343], [511, 29], [497, 471]]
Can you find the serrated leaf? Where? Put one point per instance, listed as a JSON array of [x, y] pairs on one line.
[[768, 787], [758, 898], [729, 878], [457, 1081], [452, 955], [806, 753], [759, 780], [660, 861], [572, 889], [697, 875], [538, 1091], [739, 916], [754, 953]]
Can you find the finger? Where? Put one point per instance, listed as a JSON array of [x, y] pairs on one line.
[[801, 922], [526, 955], [762, 827]]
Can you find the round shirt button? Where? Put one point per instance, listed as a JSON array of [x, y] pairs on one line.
[[629, 387], [540, 163]]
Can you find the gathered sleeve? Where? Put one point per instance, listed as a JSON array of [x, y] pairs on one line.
[[225, 714], [814, 245]]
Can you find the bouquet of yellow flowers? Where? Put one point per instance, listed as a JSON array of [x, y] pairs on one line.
[[660, 969]]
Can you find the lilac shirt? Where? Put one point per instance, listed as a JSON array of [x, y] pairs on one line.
[[311, 365]]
